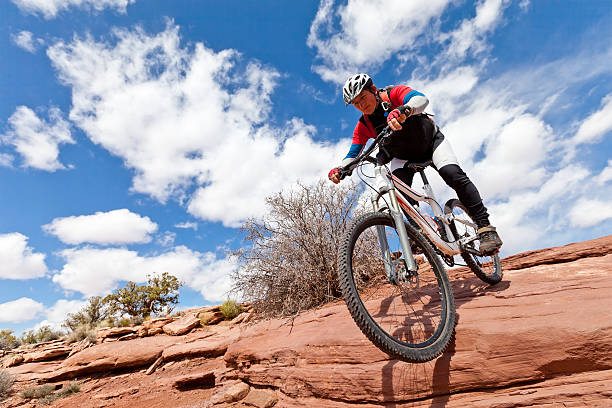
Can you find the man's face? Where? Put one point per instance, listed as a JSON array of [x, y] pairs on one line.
[[365, 102]]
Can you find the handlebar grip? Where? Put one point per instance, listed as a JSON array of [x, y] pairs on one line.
[[404, 109], [342, 172]]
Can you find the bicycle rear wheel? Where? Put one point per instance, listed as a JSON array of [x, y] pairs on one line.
[[487, 268], [410, 316]]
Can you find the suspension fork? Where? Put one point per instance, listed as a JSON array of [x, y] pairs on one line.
[[385, 186]]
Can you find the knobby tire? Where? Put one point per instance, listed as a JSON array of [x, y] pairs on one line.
[[439, 285]]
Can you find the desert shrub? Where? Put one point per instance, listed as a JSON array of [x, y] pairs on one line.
[[37, 392], [6, 382], [124, 322], [205, 318], [42, 334], [160, 294], [84, 331], [8, 341], [108, 322], [91, 314], [69, 389], [230, 309], [45, 393], [289, 263]]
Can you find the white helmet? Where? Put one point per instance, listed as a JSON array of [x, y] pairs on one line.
[[354, 85]]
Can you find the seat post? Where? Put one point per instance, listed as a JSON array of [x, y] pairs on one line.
[[423, 177]]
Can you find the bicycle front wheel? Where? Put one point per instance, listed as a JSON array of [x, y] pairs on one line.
[[408, 315], [487, 268]]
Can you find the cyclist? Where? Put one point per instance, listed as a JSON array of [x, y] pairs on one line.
[[416, 139]]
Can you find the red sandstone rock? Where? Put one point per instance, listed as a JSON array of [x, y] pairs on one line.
[[236, 392], [261, 398], [11, 361], [114, 332], [111, 356], [541, 337], [182, 325], [156, 323], [49, 354]]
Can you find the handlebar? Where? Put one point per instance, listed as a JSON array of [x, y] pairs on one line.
[[365, 155]]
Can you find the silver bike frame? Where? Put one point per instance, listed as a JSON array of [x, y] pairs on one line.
[[388, 184]]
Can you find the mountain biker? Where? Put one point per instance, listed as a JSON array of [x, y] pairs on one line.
[[416, 139]]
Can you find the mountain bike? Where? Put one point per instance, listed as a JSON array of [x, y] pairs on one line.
[[390, 269]]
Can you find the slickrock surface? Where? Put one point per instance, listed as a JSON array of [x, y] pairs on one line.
[[542, 337]]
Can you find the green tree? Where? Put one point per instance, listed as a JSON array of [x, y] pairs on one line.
[[91, 314], [159, 294], [126, 300]]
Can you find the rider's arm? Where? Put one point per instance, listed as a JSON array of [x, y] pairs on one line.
[[404, 95], [361, 134]]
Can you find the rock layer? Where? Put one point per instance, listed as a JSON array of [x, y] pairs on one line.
[[541, 337]]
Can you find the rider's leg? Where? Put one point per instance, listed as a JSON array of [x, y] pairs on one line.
[[447, 165], [456, 178], [467, 192]]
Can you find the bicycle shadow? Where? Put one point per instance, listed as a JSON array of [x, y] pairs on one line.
[[434, 376]]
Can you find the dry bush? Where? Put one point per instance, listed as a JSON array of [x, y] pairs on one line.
[[8, 341], [290, 264], [6, 382], [81, 332]]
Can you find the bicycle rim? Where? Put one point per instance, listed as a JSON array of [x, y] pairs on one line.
[[411, 317]]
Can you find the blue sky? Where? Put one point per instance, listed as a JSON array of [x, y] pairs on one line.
[[136, 136]]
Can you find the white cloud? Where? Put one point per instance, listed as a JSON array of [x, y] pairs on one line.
[[606, 174], [167, 238], [38, 140], [185, 118], [25, 40], [369, 32], [522, 147], [596, 125], [113, 227], [21, 310], [6, 160], [187, 225], [56, 314], [590, 212], [50, 8], [92, 271], [19, 261], [470, 36], [363, 34]]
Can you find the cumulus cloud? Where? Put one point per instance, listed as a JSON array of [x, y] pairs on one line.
[[21, 310], [38, 140], [362, 34], [55, 315], [471, 34], [590, 212], [106, 228], [25, 40], [50, 8], [191, 122], [596, 125], [93, 271], [19, 261]]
